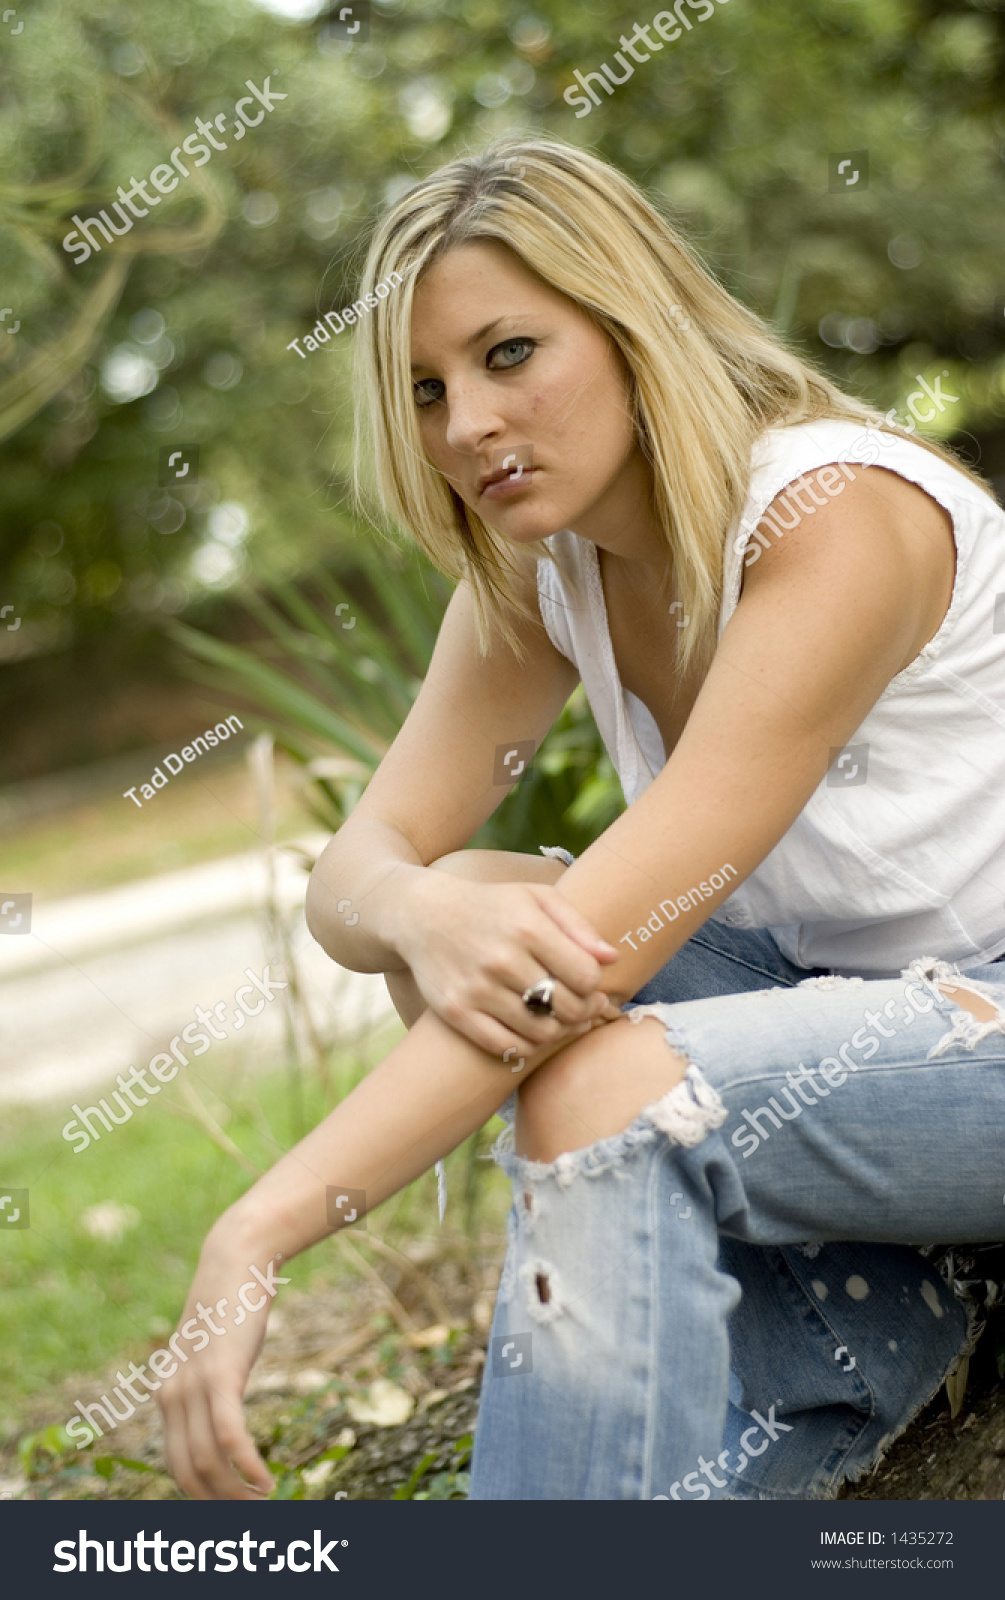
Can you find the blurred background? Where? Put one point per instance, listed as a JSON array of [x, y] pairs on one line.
[[144, 599]]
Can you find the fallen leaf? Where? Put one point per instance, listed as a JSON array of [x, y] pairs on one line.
[[386, 1406], [426, 1338]]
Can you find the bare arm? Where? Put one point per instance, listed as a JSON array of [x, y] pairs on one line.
[[434, 789], [471, 949]]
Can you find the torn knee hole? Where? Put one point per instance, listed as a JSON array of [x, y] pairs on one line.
[[543, 1287]]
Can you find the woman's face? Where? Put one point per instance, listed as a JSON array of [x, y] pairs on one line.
[[503, 365]]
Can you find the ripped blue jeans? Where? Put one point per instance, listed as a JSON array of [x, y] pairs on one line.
[[727, 1300]]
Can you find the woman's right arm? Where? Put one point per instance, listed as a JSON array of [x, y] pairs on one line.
[[472, 947]]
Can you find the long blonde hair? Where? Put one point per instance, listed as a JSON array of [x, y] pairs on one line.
[[706, 375]]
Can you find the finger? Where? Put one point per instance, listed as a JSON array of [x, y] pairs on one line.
[[237, 1445], [562, 958], [573, 923], [509, 1047], [504, 1002], [177, 1452], [570, 1007], [214, 1476]]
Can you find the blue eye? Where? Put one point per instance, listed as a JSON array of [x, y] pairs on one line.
[[512, 353], [507, 348], [421, 391]]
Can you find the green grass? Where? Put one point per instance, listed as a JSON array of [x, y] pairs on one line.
[[69, 1302]]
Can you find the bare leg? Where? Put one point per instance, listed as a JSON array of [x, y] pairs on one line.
[[481, 866], [595, 1088]]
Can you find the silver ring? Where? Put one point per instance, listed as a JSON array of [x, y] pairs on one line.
[[538, 998]]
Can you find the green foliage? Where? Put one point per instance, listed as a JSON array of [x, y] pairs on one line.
[[733, 125], [320, 681], [52, 1443], [451, 1485], [105, 1466]]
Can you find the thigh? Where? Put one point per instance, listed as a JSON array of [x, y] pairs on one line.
[[851, 1109], [720, 960]]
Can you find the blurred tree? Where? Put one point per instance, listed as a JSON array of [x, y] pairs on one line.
[[176, 334]]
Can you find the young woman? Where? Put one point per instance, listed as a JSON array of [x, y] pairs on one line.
[[788, 616]]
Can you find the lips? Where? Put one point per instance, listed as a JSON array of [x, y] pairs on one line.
[[504, 475]]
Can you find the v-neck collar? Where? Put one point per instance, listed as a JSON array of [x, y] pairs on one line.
[[631, 756]]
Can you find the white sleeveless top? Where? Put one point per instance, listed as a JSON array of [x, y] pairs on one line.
[[904, 857]]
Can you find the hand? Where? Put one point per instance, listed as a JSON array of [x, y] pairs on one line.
[[474, 948], [210, 1453]]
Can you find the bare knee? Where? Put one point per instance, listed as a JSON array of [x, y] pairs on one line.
[[595, 1087], [478, 866]]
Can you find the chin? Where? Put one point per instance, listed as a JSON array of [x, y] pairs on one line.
[[528, 524]]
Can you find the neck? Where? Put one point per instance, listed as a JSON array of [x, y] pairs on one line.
[[623, 521]]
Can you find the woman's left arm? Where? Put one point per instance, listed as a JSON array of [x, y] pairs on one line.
[[830, 612]]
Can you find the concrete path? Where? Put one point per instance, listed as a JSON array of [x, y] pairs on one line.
[[104, 981]]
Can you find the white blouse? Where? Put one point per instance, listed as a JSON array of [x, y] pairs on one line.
[[900, 852]]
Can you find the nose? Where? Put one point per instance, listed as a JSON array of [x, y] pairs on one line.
[[473, 419]]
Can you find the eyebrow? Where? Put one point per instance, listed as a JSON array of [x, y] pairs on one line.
[[474, 339]]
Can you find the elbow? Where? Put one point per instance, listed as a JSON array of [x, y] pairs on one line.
[[318, 922], [331, 922]]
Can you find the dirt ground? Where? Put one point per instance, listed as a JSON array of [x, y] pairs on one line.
[[370, 1395]]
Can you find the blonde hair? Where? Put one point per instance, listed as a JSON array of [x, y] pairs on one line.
[[706, 375]]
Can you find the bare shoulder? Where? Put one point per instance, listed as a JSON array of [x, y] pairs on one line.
[[860, 532]]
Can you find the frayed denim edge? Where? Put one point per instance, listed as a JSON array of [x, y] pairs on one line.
[[856, 1474], [685, 1115]]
